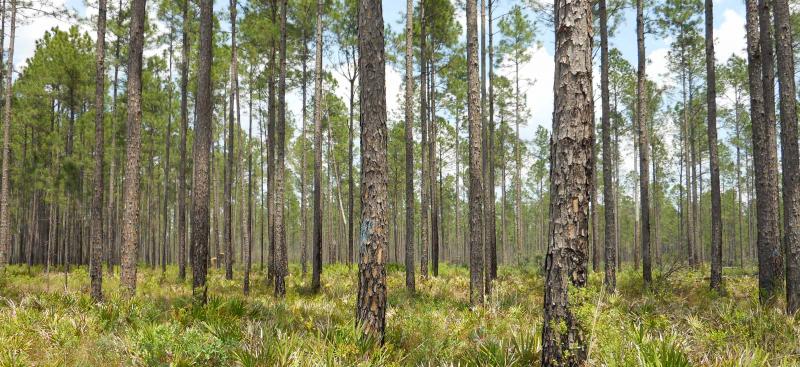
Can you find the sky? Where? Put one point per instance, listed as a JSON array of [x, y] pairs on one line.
[[729, 22]]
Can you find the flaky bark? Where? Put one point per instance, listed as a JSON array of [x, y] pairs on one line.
[[476, 284], [770, 262], [789, 153], [5, 235], [571, 170], [130, 214], [201, 151], [96, 266], [371, 304]]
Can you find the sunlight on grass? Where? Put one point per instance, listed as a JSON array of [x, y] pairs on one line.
[[677, 323]]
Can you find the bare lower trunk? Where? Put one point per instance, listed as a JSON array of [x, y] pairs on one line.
[[570, 162], [371, 303], [130, 214], [711, 101], [764, 159], [96, 266], [201, 152], [409, 149], [789, 153], [316, 251], [476, 280]]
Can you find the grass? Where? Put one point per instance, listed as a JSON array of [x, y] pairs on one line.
[[676, 323]]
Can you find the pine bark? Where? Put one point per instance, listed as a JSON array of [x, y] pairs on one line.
[[130, 214], [571, 169], [201, 152], [770, 261], [608, 185], [316, 251], [644, 146], [5, 230], [476, 280], [409, 148], [96, 266], [491, 224], [181, 210], [371, 304], [711, 101], [789, 153], [423, 115], [281, 262]]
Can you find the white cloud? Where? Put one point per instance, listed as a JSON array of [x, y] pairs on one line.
[[30, 28], [730, 36], [537, 83], [658, 67]]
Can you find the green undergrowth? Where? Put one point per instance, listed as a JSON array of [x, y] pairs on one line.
[[677, 322]]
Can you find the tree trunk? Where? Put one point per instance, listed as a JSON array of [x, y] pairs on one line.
[[130, 214], [764, 159], [371, 304], [644, 146], [227, 232], [304, 88], [281, 261], [167, 141], [409, 151], [608, 185], [716, 201], [5, 230], [96, 268], [317, 240], [181, 225], [201, 149], [475, 167], [571, 150], [491, 230], [423, 114], [789, 153]]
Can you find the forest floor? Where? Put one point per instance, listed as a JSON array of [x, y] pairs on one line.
[[676, 323]]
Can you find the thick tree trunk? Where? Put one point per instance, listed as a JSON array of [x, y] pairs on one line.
[[789, 153], [716, 201], [96, 266], [201, 151], [371, 304], [644, 146], [317, 236], [570, 162], [409, 151], [476, 279], [761, 76], [770, 262], [130, 214]]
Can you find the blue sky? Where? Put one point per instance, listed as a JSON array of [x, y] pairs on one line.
[[729, 38]]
